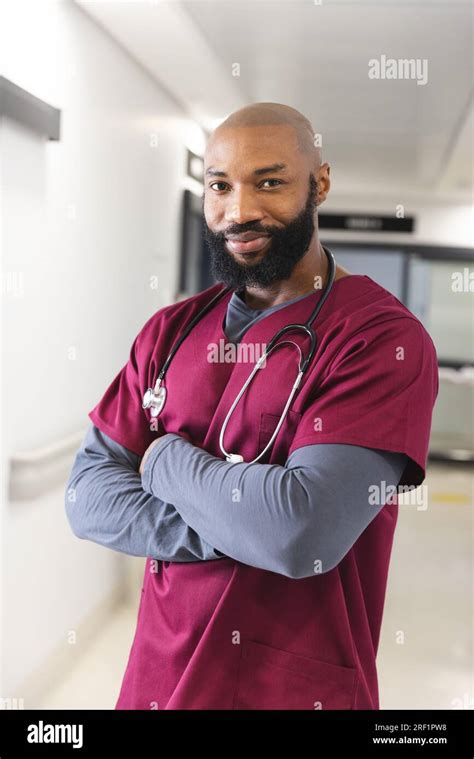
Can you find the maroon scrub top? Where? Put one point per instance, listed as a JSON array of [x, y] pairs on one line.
[[224, 635]]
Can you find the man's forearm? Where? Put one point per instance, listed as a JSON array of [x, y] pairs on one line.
[[295, 520], [105, 503]]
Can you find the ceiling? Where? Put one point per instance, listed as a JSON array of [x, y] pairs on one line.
[[382, 137]]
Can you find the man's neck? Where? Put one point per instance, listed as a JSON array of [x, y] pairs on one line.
[[307, 275]]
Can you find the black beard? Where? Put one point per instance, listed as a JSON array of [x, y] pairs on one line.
[[287, 246]]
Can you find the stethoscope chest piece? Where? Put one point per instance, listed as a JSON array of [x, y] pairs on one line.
[[155, 399]]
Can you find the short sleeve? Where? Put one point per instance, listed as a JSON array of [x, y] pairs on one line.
[[379, 392], [119, 413]]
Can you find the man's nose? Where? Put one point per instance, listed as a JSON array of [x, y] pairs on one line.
[[242, 209]]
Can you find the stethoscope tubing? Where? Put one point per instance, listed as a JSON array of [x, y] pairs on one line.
[[287, 328], [156, 397]]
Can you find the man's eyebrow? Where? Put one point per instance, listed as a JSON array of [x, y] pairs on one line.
[[212, 172]]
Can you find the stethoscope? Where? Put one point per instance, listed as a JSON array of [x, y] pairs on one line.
[[155, 398]]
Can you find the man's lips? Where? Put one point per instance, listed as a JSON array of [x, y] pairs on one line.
[[247, 246]]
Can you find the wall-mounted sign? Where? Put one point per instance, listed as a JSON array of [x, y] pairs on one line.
[[20, 105], [358, 222]]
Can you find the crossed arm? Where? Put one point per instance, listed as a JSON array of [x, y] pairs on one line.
[[296, 520], [188, 505], [105, 502]]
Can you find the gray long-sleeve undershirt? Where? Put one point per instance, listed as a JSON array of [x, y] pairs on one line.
[[290, 520], [286, 519], [105, 502]]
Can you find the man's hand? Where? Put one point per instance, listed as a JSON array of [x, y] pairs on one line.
[[184, 435], [142, 462]]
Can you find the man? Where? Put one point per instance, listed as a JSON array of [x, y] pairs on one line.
[[265, 583]]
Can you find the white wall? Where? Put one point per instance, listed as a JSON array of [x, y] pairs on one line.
[[87, 220], [442, 221]]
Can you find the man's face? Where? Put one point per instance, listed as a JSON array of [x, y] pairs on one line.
[[274, 207]]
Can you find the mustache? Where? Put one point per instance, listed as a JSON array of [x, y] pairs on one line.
[[241, 230]]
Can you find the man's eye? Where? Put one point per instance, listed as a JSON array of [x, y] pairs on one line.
[[223, 184], [272, 180]]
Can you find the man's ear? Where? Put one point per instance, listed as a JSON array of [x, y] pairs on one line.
[[324, 183]]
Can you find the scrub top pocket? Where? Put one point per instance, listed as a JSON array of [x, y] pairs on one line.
[[270, 678]]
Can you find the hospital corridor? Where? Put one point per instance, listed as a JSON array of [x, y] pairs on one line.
[[237, 357]]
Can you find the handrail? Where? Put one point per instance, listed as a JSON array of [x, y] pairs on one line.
[[462, 376], [34, 472]]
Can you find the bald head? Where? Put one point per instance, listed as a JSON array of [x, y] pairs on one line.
[[276, 114]]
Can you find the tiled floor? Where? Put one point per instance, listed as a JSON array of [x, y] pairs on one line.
[[94, 682], [425, 653]]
